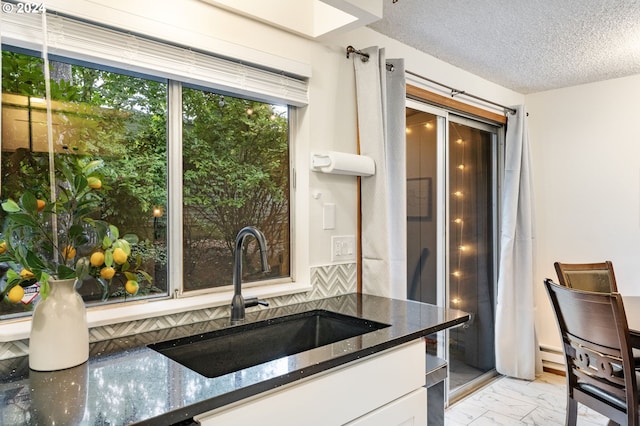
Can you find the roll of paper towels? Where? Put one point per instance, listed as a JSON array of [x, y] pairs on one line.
[[342, 163]]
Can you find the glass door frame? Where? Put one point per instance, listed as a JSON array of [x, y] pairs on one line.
[[442, 228], [497, 164], [444, 117]]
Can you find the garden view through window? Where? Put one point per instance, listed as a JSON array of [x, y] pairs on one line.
[[235, 168], [235, 173]]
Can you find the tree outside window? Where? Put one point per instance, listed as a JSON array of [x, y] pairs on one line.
[[236, 173], [235, 166], [96, 114]]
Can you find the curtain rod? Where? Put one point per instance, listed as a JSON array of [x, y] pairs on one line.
[[454, 92], [365, 56]]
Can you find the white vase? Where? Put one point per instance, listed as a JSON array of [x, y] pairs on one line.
[[59, 333]]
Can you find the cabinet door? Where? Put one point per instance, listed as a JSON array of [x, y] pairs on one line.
[[336, 397], [409, 410]]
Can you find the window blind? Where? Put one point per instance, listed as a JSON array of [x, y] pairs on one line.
[[85, 41]]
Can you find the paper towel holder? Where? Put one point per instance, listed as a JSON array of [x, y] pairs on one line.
[[342, 163]]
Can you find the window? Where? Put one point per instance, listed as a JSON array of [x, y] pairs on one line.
[[101, 115], [235, 173], [234, 142]]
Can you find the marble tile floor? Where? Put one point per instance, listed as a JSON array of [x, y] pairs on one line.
[[513, 402]]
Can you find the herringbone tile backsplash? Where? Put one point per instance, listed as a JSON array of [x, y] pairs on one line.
[[327, 281]]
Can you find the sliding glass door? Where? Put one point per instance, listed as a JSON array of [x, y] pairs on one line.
[[424, 135], [452, 175], [472, 159]]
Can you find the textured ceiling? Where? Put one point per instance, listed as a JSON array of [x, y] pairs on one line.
[[525, 45]]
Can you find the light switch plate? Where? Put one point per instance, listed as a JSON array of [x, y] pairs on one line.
[[329, 216], [343, 248]]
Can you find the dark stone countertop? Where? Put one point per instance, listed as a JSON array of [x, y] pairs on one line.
[[125, 382]]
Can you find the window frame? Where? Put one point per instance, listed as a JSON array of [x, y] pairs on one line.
[[19, 32]]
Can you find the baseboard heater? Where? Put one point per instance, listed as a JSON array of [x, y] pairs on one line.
[[552, 358]]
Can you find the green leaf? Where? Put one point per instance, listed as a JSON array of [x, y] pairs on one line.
[[131, 276], [92, 166], [114, 231], [66, 171], [106, 242], [10, 206], [44, 287], [108, 257], [145, 275], [80, 183], [131, 238], [75, 231], [124, 245], [34, 262], [83, 266], [138, 261], [64, 272], [23, 219], [13, 277], [101, 228], [29, 202]]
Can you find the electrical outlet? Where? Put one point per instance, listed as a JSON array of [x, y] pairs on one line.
[[343, 248]]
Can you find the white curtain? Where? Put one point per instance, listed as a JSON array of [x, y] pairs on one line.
[[517, 349], [381, 130]]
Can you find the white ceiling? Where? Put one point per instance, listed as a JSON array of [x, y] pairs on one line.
[[309, 18], [525, 45]]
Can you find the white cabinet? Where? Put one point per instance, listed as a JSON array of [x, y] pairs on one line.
[[409, 410], [382, 389]]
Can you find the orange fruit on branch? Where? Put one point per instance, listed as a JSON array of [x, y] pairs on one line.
[[15, 294], [26, 274], [94, 182], [97, 259], [68, 252], [107, 273], [119, 256], [131, 287]]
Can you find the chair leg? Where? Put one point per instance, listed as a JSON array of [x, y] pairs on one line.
[[572, 411]]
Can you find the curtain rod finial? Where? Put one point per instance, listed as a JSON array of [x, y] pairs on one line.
[[350, 50], [363, 56]]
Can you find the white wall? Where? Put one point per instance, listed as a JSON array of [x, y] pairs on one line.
[[328, 123], [586, 161]]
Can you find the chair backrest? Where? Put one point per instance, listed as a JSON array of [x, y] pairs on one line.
[[595, 337], [587, 276]]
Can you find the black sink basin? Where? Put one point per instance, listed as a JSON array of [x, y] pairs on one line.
[[235, 348]]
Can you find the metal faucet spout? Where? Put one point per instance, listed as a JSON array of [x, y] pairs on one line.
[[238, 303]]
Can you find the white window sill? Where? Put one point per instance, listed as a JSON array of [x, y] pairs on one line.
[[105, 315]]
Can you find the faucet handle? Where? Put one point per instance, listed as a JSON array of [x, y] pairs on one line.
[[254, 301]]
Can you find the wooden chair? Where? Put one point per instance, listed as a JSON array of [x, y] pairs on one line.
[[595, 337], [594, 277], [587, 276]]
